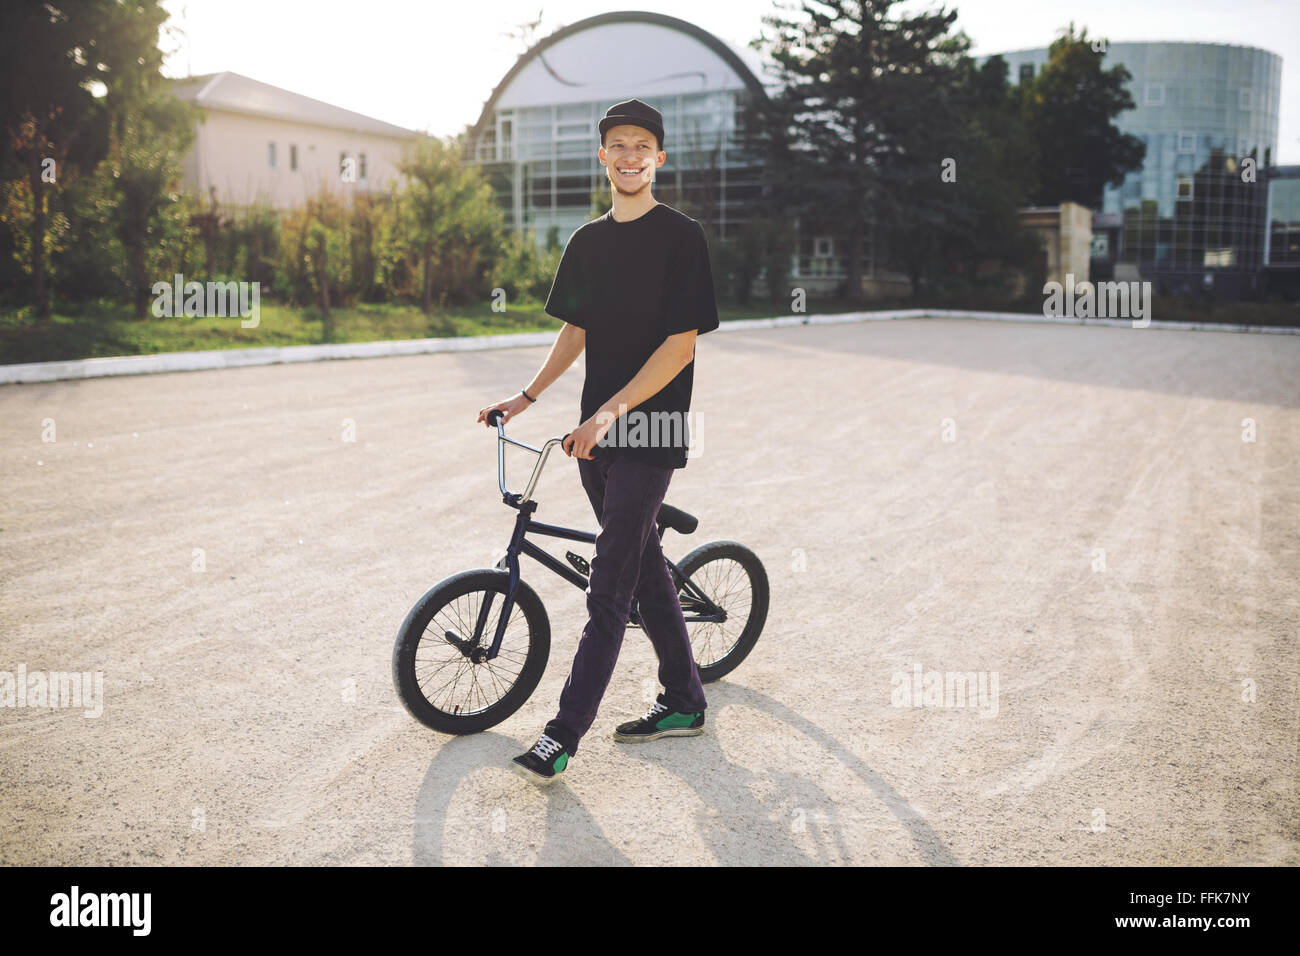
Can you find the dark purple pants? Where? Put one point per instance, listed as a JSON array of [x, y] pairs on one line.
[[626, 495]]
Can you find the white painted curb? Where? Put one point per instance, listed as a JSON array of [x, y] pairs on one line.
[[240, 358]]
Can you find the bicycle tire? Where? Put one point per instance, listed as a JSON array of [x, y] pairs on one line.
[[759, 598], [415, 630]]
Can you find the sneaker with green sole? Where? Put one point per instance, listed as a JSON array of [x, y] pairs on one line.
[[660, 721], [544, 762]]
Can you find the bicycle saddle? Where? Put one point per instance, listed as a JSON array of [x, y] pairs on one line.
[[678, 520]]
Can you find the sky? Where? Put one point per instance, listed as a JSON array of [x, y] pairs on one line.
[[432, 65]]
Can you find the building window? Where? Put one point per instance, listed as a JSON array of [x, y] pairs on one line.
[[823, 247], [293, 157], [1246, 98], [270, 155], [361, 166], [1184, 188], [1026, 73], [1153, 94], [1186, 142]]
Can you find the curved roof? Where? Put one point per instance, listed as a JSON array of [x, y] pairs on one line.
[[535, 58]]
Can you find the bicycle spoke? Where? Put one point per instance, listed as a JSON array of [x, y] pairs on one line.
[[451, 681], [727, 584]]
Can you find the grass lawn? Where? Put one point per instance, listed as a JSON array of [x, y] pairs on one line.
[[96, 331], [105, 329]]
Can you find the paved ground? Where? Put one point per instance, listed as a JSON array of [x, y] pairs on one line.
[[1096, 535]]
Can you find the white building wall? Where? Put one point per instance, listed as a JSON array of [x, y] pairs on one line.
[[231, 153]]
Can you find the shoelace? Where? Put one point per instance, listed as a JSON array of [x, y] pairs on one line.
[[655, 711], [547, 747]]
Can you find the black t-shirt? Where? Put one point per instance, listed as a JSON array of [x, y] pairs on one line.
[[630, 285]]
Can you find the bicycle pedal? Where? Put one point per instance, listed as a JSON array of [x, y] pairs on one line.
[[579, 563]]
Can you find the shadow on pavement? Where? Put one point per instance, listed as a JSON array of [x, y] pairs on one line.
[[1218, 365], [721, 786], [584, 843]]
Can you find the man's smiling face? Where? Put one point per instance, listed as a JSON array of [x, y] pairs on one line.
[[630, 156]]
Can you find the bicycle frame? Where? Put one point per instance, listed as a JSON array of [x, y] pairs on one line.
[[695, 602]]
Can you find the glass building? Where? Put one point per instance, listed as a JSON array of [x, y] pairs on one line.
[[1282, 240], [1194, 216], [536, 138]]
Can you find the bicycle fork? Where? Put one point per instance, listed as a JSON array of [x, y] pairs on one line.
[[517, 543]]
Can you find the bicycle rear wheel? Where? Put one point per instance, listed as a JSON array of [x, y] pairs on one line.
[[732, 577], [439, 671]]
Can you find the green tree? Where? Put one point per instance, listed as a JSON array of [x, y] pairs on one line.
[[1069, 109], [211, 227], [48, 113], [994, 178], [766, 240], [147, 146], [257, 240], [365, 240], [452, 221], [984, 180], [81, 83], [316, 255], [148, 133], [863, 117], [523, 270], [90, 261]]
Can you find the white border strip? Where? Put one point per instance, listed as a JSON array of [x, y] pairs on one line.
[[241, 358]]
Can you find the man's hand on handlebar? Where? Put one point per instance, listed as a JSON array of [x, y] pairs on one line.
[[511, 407], [583, 439]]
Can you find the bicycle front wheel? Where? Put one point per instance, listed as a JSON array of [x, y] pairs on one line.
[[440, 671]]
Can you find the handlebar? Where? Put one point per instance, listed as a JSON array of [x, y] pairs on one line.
[[494, 418]]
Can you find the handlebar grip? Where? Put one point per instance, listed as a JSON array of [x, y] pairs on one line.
[[494, 416], [595, 452]]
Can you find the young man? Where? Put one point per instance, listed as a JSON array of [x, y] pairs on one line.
[[634, 288]]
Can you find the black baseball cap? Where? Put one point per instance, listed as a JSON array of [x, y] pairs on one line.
[[634, 113]]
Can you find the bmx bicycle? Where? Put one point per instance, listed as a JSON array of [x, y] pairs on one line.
[[463, 662]]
